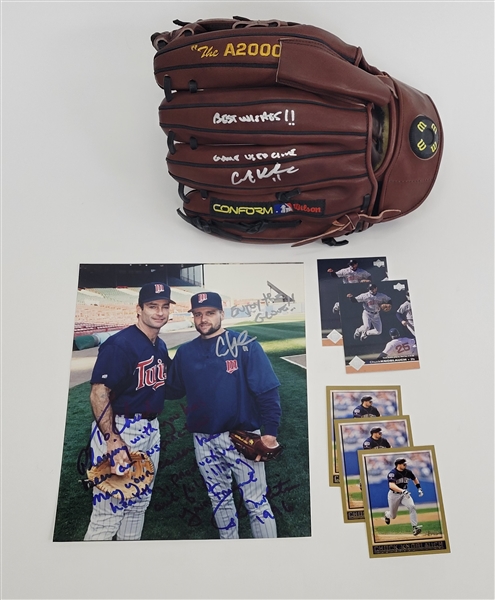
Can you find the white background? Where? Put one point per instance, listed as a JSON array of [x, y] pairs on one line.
[[85, 181]]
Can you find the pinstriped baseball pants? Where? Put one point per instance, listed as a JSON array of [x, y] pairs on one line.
[[111, 516], [219, 463]]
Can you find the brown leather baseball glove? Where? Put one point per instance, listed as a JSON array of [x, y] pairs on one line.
[[280, 132], [386, 307], [251, 446], [134, 482]]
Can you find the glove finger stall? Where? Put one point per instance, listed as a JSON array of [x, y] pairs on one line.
[[208, 58], [264, 116], [248, 169]]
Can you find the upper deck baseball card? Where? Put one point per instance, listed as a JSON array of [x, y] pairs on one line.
[[353, 435], [335, 272], [378, 326], [347, 402], [409, 521]]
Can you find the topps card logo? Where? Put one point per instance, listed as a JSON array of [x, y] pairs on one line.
[[313, 208]]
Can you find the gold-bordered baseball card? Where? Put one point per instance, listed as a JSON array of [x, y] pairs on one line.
[[345, 402], [403, 504], [378, 327], [353, 435], [334, 272]]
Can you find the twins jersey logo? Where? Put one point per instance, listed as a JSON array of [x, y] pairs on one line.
[[202, 298], [231, 366], [153, 377]]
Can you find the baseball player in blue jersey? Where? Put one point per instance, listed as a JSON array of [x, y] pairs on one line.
[[371, 301], [230, 384], [351, 274], [375, 440], [127, 394], [365, 409], [398, 479]]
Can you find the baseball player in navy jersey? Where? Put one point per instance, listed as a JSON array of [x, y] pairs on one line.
[[375, 440], [371, 301], [230, 384], [365, 409], [398, 479], [399, 347], [352, 273], [127, 394], [405, 316]]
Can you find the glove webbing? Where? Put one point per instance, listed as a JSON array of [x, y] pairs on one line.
[[215, 228], [349, 225]]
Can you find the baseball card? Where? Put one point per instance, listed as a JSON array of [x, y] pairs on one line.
[[403, 504], [346, 402], [335, 272], [353, 435], [378, 327], [168, 362]]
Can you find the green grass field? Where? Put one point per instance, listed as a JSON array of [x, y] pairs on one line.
[[180, 508], [354, 493], [427, 517]]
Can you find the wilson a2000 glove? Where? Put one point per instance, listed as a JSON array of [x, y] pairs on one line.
[[282, 132]]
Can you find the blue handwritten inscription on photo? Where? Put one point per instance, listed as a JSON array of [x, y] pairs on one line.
[[221, 492], [87, 459], [180, 484]]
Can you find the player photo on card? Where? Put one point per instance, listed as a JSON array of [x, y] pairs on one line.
[[378, 327], [352, 435], [173, 366], [345, 402], [403, 504], [335, 272]]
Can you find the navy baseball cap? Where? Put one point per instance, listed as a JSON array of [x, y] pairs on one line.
[[366, 399], [372, 285], [376, 430], [400, 461], [154, 291], [210, 299]]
